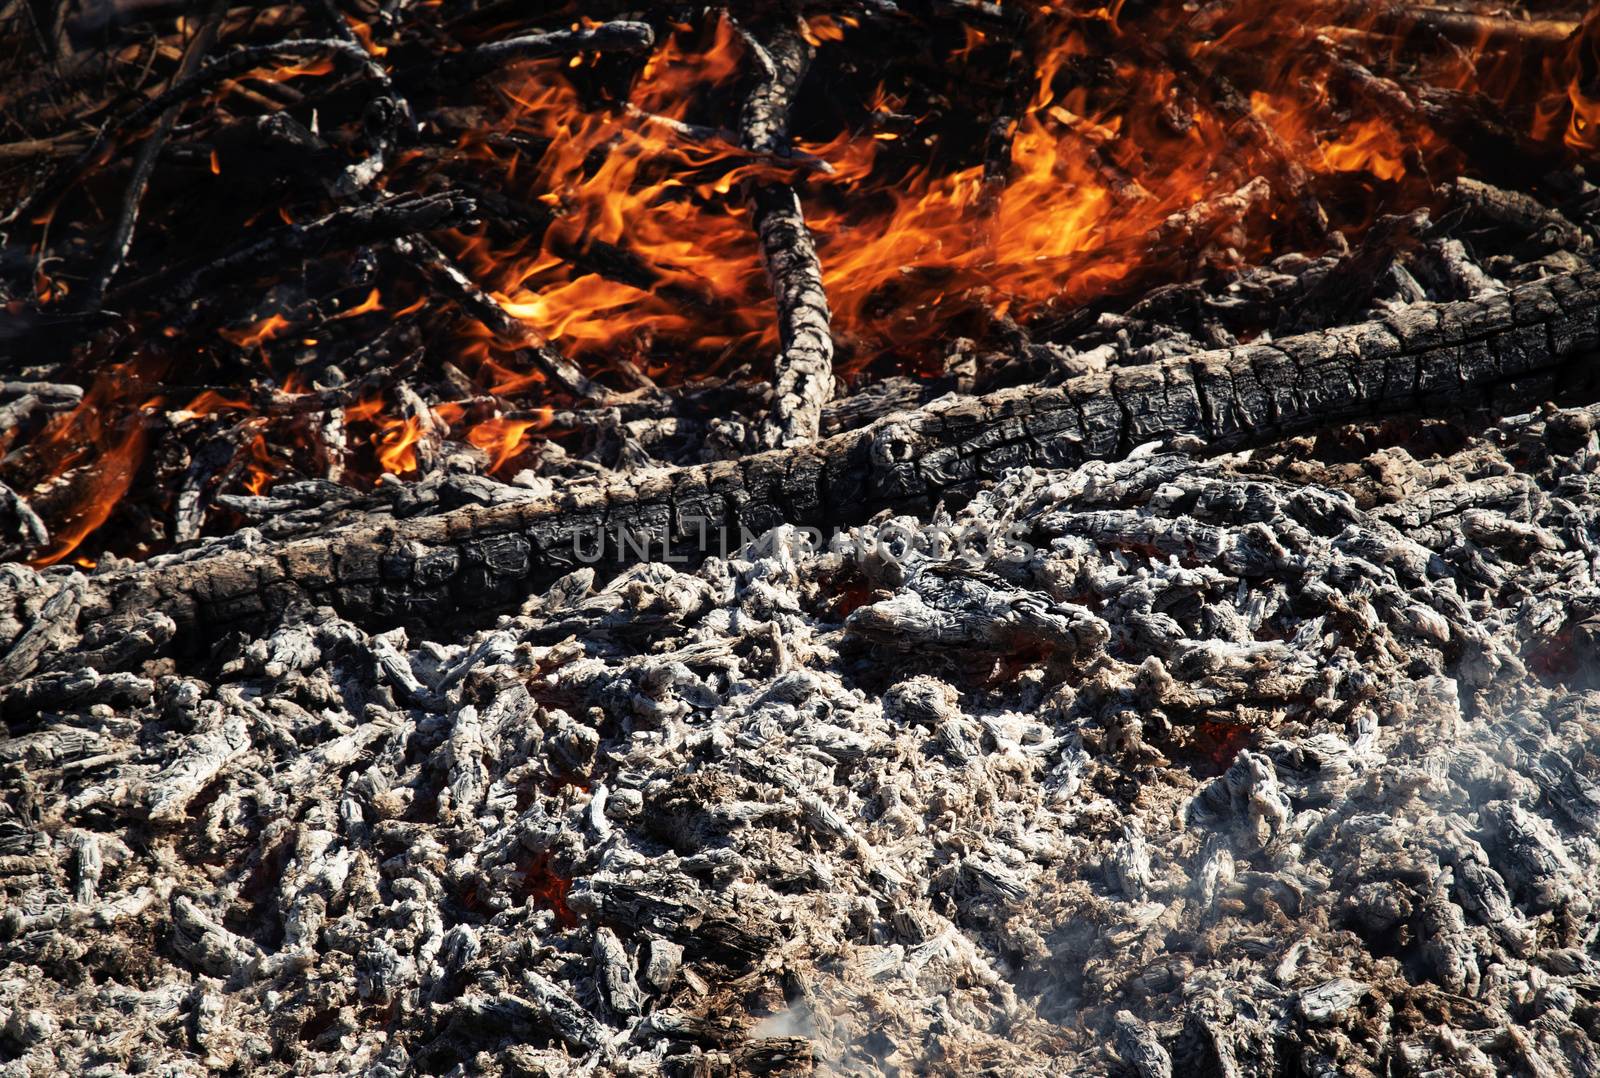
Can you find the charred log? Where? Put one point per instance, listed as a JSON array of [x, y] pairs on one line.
[[1429, 359]]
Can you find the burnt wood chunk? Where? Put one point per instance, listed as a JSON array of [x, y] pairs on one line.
[[1429, 358]]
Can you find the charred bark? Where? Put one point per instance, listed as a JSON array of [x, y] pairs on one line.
[[619, 36], [803, 374], [351, 226], [1429, 358], [1468, 27], [144, 167]]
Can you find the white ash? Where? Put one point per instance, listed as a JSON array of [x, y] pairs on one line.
[[1231, 775]]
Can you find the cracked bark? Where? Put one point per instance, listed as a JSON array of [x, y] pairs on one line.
[[803, 370], [1434, 358]]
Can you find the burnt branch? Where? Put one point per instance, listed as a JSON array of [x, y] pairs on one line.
[[1429, 359], [386, 119], [618, 36], [442, 272], [144, 165], [351, 226], [1469, 28], [208, 76], [803, 370]]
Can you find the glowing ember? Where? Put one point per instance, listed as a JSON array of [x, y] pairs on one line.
[[547, 888]]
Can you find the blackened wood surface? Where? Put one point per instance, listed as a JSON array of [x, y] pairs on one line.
[[803, 371], [1431, 358]]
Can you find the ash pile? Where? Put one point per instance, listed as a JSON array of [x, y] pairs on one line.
[[1234, 766]]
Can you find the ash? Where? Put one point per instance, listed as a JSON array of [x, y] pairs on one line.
[[1253, 765]]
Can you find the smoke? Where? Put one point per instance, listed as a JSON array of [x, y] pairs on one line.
[[793, 1021]]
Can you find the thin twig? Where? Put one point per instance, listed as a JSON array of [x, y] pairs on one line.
[[210, 74], [619, 36], [388, 117], [443, 273], [348, 227], [144, 166]]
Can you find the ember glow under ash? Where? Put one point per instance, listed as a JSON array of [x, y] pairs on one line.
[[1018, 172]]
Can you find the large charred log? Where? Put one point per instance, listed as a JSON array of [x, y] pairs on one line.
[[1427, 360]]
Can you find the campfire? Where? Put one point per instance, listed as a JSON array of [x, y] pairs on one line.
[[858, 536]]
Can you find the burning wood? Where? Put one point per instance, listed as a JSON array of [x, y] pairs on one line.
[[1450, 357], [853, 536]]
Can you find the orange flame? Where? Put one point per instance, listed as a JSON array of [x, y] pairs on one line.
[[258, 332], [209, 402], [646, 195], [262, 465], [397, 445], [99, 461], [363, 34], [897, 238], [373, 302], [1187, 105], [321, 66], [502, 439], [1582, 64]]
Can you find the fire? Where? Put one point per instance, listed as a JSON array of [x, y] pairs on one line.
[[1137, 147], [95, 459], [285, 72], [373, 302], [209, 402], [820, 29], [257, 333], [1583, 129], [116, 464], [502, 439], [1066, 228], [364, 410], [396, 445], [363, 34], [47, 289], [1368, 147], [652, 193], [1582, 67], [262, 465]]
